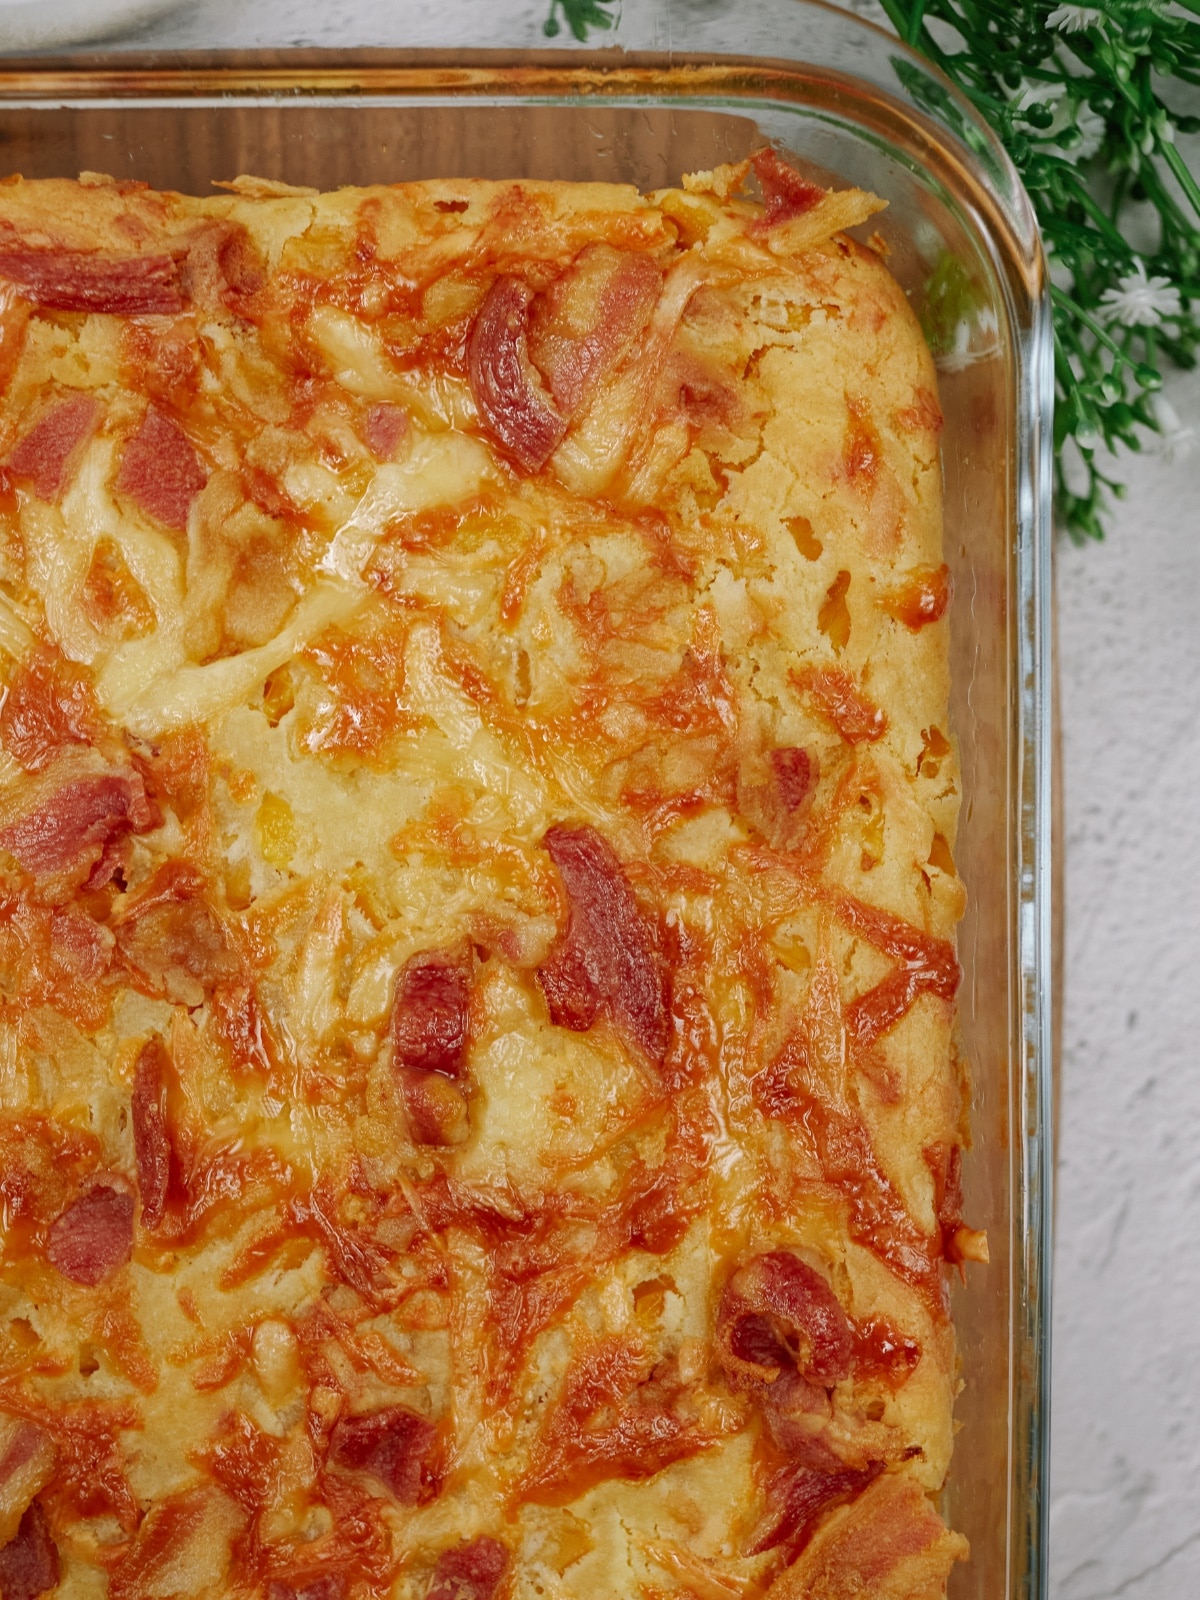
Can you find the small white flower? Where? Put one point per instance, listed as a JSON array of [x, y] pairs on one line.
[[1074, 19], [1175, 440], [1066, 112], [1028, 94], [1091, 134], [1141, 301]]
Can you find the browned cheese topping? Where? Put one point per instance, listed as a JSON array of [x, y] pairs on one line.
[[478, 1111]]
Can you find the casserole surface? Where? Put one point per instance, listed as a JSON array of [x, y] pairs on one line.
[[479, 812]]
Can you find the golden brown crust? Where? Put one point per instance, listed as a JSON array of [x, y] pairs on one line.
[[476, 943]]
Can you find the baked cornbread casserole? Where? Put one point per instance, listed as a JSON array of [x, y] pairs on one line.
[[479, 1117]]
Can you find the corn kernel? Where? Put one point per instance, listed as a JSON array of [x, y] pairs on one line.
[[276, 829], [695, 214]]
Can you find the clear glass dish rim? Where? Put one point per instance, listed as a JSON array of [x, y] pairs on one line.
[[948, 130]]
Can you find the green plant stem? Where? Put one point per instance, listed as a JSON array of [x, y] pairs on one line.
[[1097, 213], [1097, 329], [1180, 170], [914, 32], [915, 23], [1105, 79]]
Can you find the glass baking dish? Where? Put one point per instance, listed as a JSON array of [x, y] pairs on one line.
[[846, 101]]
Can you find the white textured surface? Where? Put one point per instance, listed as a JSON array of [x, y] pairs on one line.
[[238, 25], [1126, 1412], [37, 24], [1126, 1481]]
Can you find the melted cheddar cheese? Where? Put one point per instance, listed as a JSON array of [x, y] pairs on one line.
[[478, 1107]]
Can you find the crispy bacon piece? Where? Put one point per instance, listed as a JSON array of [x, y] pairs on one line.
[[434, 1107], [798, 1414], [20, 1442], [570, 989], [44, 1165], [383, 428], [29, 1561], [394, 1446], [796, 774], [469, 1571], [587, 316], [504, 381], [703, 393], [88, 1472], [430, 1021], [778, 1314], [173, 939], [607, 959], [49, 705], [93, 1237], [314, 1586], [222, 266], [785, 193], [49, 453], [76, 280], [837, 698], [14, 325], [775, 791], [74, 826], [891, 1544], [27, 1461], [798, 1495], [160, 471], [431, 1014], [151, 1138]]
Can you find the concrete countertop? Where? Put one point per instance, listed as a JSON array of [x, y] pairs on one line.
[[1125, 1507]]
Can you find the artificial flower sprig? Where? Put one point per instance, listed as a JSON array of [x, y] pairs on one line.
[[579, 16], [1076, 94]]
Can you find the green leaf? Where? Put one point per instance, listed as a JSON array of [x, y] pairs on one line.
[[579, 15], [1101, 144]]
